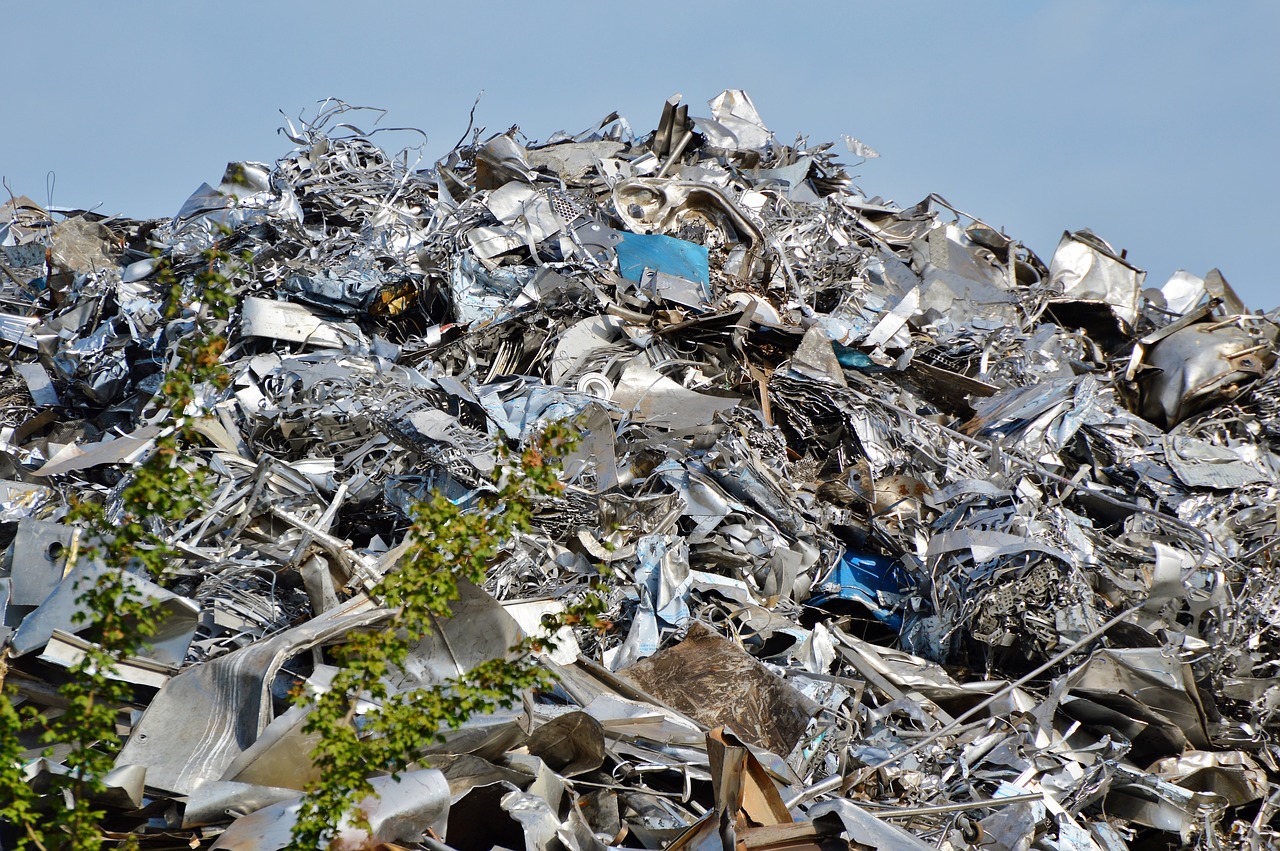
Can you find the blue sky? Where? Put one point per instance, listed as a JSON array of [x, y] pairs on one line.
[[1152, 123]]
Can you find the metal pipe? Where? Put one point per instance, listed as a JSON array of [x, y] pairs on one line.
[[675, 155]]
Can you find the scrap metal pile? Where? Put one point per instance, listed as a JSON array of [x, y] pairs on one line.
[[913, 540]]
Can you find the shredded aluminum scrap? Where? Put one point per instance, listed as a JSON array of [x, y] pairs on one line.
[[915, 540]]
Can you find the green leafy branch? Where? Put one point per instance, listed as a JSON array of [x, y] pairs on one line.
[[447, 545]]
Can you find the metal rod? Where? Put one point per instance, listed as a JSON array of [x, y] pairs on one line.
[[960, 806]]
